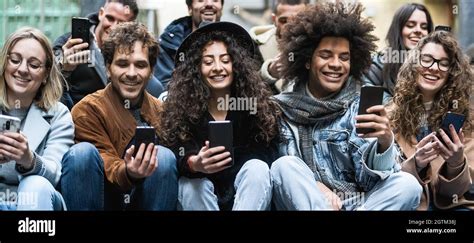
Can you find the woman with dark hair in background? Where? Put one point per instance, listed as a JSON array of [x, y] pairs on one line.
[[434, 80], [214, 66], [410, 23]]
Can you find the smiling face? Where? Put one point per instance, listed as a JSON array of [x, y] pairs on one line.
[[130, 72], [25, 70], [415, 28], [329, 67], [205, 10], [432, 79], [110, 15], [216, 67]]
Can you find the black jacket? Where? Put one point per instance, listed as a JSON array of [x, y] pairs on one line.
[[172, 37], [88, 78], [245, 148]]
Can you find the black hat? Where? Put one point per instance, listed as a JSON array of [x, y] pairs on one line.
[[236, 31]]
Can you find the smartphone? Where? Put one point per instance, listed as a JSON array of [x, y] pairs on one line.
[[369, 96], [469, 195], [451, 118], [10, 123], [443, 28], [221, 134], [144, 134], [81, 29]]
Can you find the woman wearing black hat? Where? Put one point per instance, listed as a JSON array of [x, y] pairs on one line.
[[216, 79]]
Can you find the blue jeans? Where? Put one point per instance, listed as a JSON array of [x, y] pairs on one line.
[[252, 184], [157, 192], [35, 193], [294, 188]]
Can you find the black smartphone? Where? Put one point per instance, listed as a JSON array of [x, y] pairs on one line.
[[81, 29], [469, 195], [369, 96], [443, 28], [144, 134], [451, 118], [221, 134]]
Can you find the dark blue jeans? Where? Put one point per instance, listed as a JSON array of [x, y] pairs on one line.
[[84, 186]]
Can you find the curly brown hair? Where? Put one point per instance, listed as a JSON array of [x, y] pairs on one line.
[[188, 95], [123, 38], [303, 34], [453, 96]]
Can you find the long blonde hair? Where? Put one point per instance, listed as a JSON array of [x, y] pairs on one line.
[[48, 94], [453, 96]]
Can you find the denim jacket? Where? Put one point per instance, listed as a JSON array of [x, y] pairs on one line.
[[341, 153]]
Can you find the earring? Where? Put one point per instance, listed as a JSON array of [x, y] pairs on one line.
[[307, 66]]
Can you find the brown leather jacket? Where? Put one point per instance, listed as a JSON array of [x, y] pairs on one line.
[[102, 119]]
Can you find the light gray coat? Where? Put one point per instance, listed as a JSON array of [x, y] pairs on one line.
[[50, 134]]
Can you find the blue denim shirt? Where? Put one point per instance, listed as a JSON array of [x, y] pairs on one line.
[[343, 155]]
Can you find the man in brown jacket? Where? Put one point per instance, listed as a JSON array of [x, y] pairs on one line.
[[105, 127]]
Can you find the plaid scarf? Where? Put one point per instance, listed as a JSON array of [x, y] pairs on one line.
[[306, 112]]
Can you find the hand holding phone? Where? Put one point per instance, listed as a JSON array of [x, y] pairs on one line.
[[9, 123], [457, 120], [144, 135], [81, 29], [372, 121], [19, 150], [76, 50], [221, 134], [217, 153], [369, 96], [141, 163], [451, 147]]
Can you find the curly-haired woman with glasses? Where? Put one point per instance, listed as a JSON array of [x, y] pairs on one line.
[[436, 79], [30, 159]]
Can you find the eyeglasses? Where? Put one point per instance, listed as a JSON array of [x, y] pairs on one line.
[[427, 61], [33, 65]]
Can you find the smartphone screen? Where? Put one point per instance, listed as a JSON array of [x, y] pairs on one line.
[[144, 134], [451, 118], [369, 96], [81, 29], [221, 134]]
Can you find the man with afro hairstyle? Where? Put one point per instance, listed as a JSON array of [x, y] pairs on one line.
[[328, 165]]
